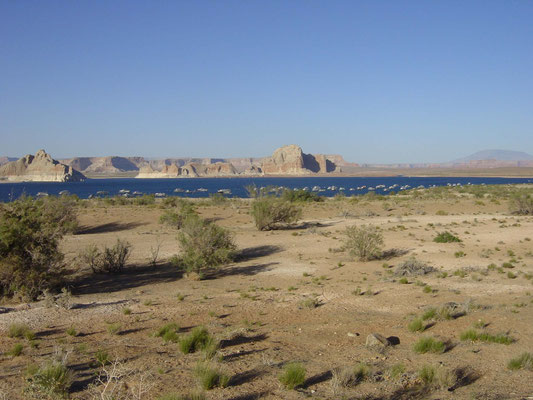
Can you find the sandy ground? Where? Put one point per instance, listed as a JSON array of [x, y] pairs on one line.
[[255, 305]]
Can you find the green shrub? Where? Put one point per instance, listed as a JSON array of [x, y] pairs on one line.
[[293, 375], [475, 336], [109, 260], [416, 325], [349, 376], [72, 331], [52, 380], [269, 212], [102, 357], [521, 204], [300, 195], [176, 218], [30, 231], [113, 328], [210, 377], [169, 332], [144, 200], [364, 242], [16, 350], [429, 345], [523, 361], [204, 245], [20, 331], [446, 237], [198, 339]]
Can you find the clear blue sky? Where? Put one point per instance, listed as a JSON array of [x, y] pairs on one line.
[[376, 81]]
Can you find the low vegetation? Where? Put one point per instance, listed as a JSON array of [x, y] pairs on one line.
[[446, 237], [364, 242], [475, 336], [270, 213], [292, 375], [204, 245], [109, 259], [523, 361], [30, 232], [429, 345]]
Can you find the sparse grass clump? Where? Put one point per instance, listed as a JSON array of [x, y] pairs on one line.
[[198, 339], [169, 332], [429, 345], [437, 377], [51, 381], [113, 328], [364, 242], [210, 377], [416, 325], [413, 267], [293, 375], [523, 361], [349, 376], [16, 350], [271, 212], [72, 331], [475, 336], [446, 237], [21, 331], [190, 396], [102, 357]]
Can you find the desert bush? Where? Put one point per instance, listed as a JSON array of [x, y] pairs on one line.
[[144, 200], [521, 204], [437, 377], [269, 212], [102, 357], [416, 325], [30, 231], [364, 242], [198, 339], [300, 195], [446, 237], [413, 267], [204, 245], [348, 376], [113, 328], [175, 218], [109, 260], [475, 336], [523, 361], [217, 199], [429, 345], [16, 350], [210, 377], [293, 375], [168, 332], [20, 331], [52, 380], [190, 396]]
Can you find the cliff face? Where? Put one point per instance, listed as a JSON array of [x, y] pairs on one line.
[[290, 160], [39, 168], [191, 170], [105, 165]]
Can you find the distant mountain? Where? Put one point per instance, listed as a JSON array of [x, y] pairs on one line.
[[497, 155], [5, 160]]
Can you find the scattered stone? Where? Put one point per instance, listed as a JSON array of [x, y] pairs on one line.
[[376, 340]]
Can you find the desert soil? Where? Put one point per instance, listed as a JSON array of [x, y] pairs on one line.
[[255, 306]]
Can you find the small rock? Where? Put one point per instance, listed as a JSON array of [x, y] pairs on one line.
[[375, 339]]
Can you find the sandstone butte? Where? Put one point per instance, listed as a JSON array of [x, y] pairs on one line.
[[286, 160], [38, 168]]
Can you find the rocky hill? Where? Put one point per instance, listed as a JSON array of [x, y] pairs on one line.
[[291, 160], [39, 168], [5, 160]]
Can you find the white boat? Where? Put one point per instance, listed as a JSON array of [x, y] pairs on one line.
[[224, 191], [42, 194], [202, 190], [178, 190], [122, 191], [64, 193], [158, 194]]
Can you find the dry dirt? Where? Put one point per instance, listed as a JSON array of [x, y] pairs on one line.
[[255, 305]]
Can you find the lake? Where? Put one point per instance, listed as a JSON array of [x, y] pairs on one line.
[[189, 187]]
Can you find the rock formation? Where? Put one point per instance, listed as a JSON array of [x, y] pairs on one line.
[[39, 168], [290, 160], [191, 170]]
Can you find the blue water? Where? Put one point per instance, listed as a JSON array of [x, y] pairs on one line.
[[11, 191]]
